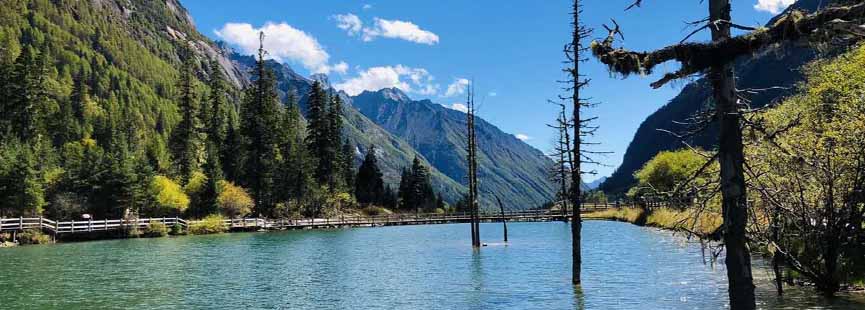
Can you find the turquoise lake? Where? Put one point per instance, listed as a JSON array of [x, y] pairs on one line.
[[401, 267]]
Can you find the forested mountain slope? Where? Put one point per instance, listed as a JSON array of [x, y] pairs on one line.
[[395, 154], [508, 167]]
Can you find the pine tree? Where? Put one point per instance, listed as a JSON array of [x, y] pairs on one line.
[[215, 114], [422, 189], [259, 128], [346, 166], [318, 137], [404, 193], [185, 143], [415, 188], [24, 109], [369, 185]]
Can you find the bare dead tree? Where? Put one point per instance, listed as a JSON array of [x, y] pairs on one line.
[[581, 127], [504, 219], [472, 167], [715, 59], [561, 173]]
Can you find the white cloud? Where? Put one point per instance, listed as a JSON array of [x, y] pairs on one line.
[[349, 22], [283, 43], [367, 6], [773, 6], [407, 79], [522, 137], [459, 107], [397, 29], [340, 67], [493, 94], [458, 87]]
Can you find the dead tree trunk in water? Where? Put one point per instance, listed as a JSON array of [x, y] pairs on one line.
[[731, 157], [504, 219], [572, 52], [472, 168], [561, 173]]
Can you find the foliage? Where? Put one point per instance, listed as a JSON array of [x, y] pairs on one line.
[[669, 171], [169, 197], [596, 197], [33, 236], [156, 229], [808, 157], [369, 185], [374, 211], [415, 188], [233, 201], [212, 224]]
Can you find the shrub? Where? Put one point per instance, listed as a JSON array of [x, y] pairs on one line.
[[212, 224], [5, 237], [156, 229], [375, 211], [233, 200], [168, 195], [33, 236], [197, 182], [176, 229]]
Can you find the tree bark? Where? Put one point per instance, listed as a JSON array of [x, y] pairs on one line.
[[731, 158], [576, 206]]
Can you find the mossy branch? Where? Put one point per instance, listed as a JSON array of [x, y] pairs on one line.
[[699, 57]]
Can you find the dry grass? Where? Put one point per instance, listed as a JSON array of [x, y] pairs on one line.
[[701, 223], [630, 215]]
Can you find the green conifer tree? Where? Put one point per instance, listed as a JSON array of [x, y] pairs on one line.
[[259, 129], [369, 185], [185, 138]]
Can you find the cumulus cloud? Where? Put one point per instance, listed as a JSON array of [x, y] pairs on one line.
[[459, 107], [458, 87], [397, 29], [407, 79], [367, 6], [393, 29], [349, 22], [283, 43], [522, 137], [773, 6]]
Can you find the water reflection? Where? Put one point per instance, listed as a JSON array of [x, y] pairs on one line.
[[579, 299]]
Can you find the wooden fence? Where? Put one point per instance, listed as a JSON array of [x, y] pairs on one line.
[[66, 227]]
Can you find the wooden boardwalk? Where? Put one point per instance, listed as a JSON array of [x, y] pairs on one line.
[[69, 227]]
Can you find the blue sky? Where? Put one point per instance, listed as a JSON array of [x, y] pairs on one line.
[[512, 50]]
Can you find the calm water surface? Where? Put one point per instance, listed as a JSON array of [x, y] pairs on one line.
[[407, 267]]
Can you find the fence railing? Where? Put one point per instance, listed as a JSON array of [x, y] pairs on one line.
[[90, 225]]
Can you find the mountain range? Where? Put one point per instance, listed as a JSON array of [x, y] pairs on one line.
[[399, 127]]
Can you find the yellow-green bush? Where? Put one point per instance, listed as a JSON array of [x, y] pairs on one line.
[[212, 224], [197, 182], [156, 229], [169, 197], [375, 211], [233, 200], [33, 236]]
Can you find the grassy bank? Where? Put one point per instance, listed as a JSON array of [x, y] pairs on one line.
[[704, 224]]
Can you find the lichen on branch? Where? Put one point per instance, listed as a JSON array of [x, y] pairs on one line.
[[699, 57]]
